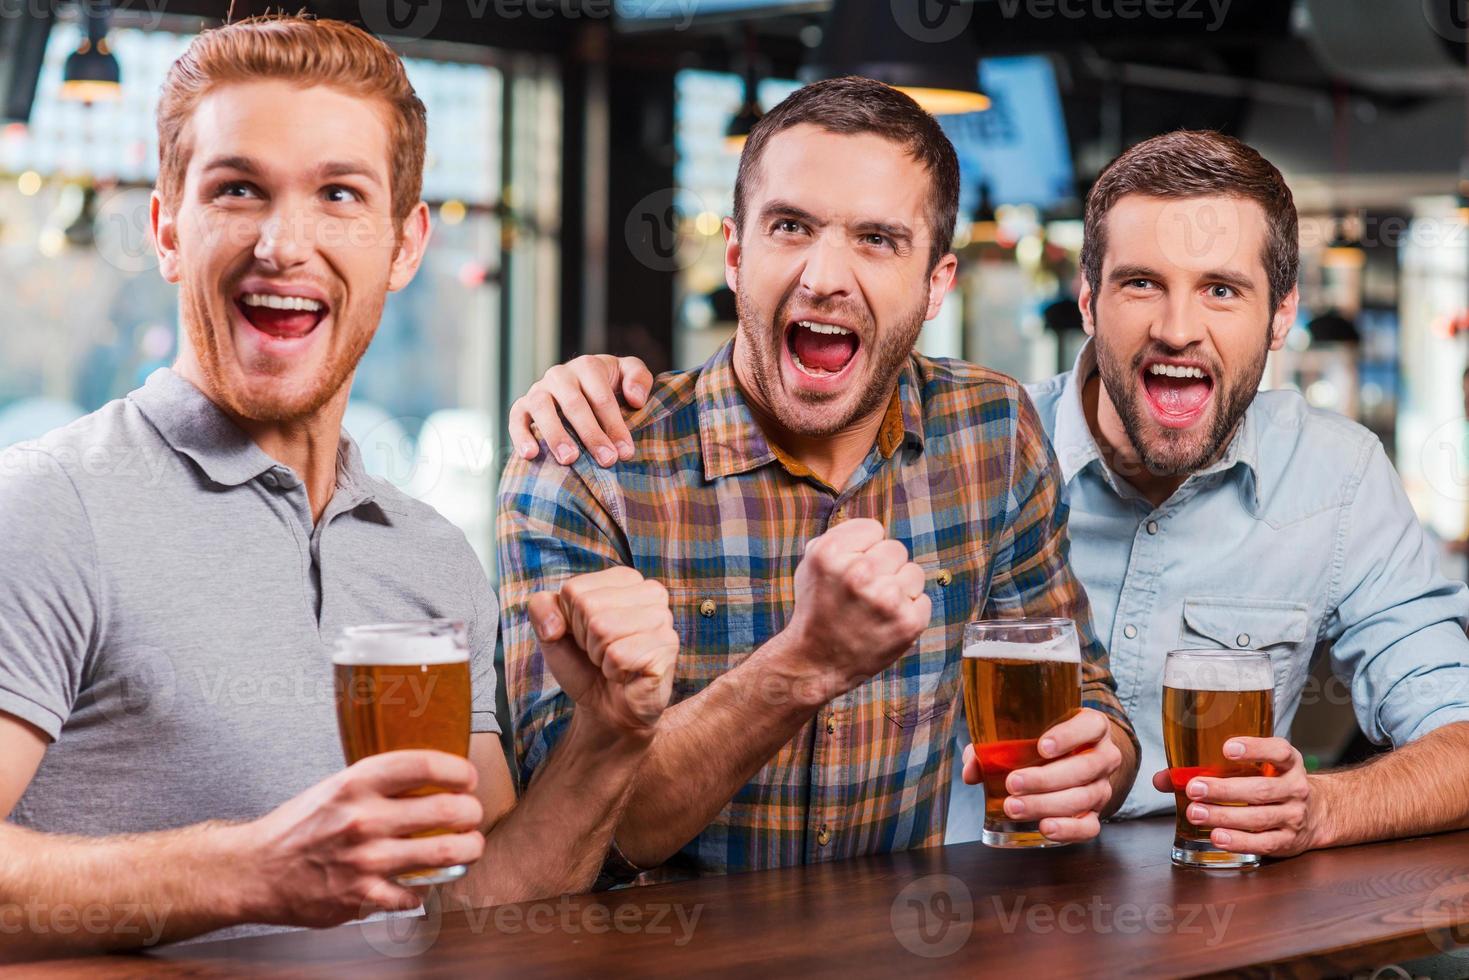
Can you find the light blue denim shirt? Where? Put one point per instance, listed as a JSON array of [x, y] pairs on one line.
[[1299, 537]]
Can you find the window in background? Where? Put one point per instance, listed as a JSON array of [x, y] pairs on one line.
[[88, 318]]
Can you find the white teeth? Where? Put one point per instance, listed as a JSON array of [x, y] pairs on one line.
[[830, 328], [813, 372], [275, 302], [1175, 371]]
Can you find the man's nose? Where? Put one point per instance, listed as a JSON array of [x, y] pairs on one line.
[[286, 239], [828, 268]]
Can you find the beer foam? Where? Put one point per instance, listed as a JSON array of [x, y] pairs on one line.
[[388, 650], [1060, 650], [1223, 673]]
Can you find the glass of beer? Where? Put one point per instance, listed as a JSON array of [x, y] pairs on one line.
[[405, 686], [1021, 677], [1210, 696]]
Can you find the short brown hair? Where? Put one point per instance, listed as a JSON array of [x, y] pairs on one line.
[[301, 49], [1195, 163], [853, 105]]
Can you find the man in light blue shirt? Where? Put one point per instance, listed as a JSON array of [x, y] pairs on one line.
[[1205, 513]]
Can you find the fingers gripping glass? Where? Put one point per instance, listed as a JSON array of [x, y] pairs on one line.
[[405, 686], [1021, 677]]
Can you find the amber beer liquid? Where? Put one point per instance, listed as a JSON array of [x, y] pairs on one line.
[[1021, 677], [404, 686], [1210, 696]]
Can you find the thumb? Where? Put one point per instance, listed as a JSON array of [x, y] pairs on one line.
[[637, 380], [566, 661], [1161, 782]]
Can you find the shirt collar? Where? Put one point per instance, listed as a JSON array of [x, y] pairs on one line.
[[1076, 447], [732, 441], [196, 427], [1073, 441]]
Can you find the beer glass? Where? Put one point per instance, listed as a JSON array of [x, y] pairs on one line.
[[1210, 696], [1021, 677], [405, 686]]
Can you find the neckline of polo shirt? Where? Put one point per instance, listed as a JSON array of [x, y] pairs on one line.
[[196, 427]]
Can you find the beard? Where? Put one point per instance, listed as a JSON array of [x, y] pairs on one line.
[[1172, 452], [256, 397], [888, 349]]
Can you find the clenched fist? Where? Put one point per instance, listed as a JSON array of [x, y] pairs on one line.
[[859, 605], [608, 639]]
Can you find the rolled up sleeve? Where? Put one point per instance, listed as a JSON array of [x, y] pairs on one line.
[[1397, 631]]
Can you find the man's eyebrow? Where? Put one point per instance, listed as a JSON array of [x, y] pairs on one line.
[[242, 164], [348, 168], [1229, 277], [331, 168], [1125, 272], [785, 209]]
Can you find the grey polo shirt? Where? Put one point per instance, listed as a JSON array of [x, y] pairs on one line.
[[167, 610]]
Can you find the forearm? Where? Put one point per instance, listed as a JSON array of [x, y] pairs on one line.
[[555, 839], [1126, 773], [710, 745], [1418, 789], [73, 894]]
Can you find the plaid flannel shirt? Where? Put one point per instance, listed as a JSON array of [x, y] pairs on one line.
[[961, 473]]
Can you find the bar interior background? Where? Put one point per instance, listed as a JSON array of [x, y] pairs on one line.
[[582, 152]]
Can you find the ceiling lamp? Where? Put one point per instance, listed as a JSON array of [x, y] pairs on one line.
[[866, 39], [92, 73]]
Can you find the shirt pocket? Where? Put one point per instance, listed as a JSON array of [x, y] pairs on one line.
[[1271, 626], [923, 683], [717, 629]]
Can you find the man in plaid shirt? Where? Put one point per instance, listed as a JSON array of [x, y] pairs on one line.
[[826, 510]]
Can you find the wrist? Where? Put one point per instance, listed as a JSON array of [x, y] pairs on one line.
[[589, 736], [1320, 831], [790, 674], [235, 858]]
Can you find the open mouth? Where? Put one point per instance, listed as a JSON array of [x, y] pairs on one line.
[[1178, 392], [284, 317], [821, 351]]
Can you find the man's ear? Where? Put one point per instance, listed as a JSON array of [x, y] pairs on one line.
[[412, 241], [164, 226], [1284, 318], [1084, 303], [940, 281], [731, 254]]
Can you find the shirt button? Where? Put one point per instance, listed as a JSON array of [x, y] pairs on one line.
[[823, 838], [945, 578], [838, 515], [1242, 640], [831, 726], [270, 480], [707, 608], [1130, 632], [1152, 527]]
